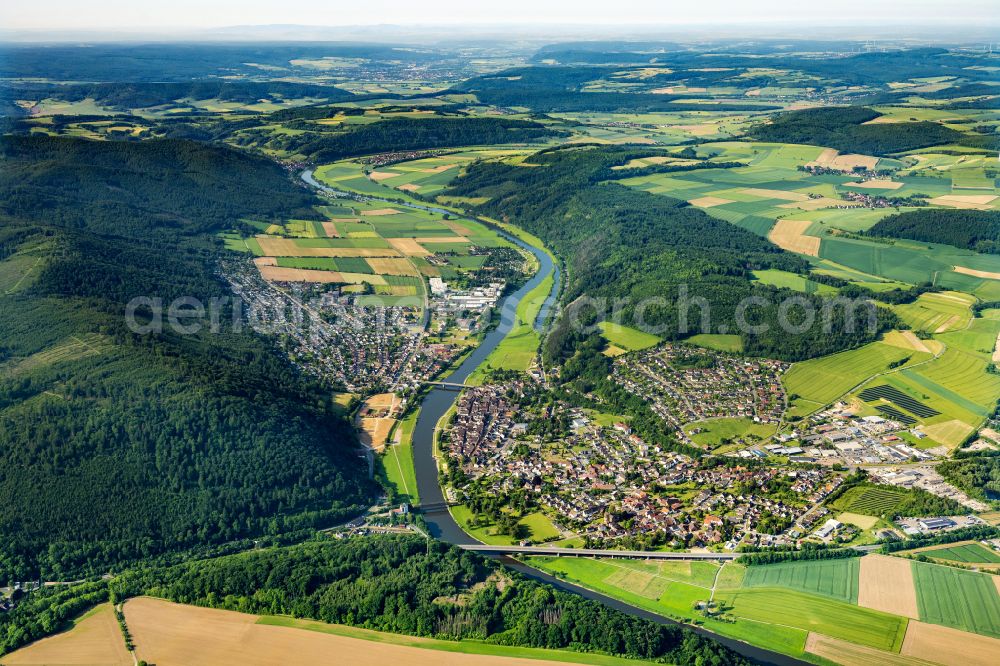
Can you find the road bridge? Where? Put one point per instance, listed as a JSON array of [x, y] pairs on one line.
[[596, 552]]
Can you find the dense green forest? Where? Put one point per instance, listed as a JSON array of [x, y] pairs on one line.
[[329, 143], [128, 96], [641, 250], [843, 128], [977, 230], [977, 474], [116, 446]]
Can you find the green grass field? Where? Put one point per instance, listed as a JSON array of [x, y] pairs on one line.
[[786, 280], [718, 342], [964, 600], [626, 337], [970, 552], [717, 432], [837, 579], [397, 462], [819, 381]]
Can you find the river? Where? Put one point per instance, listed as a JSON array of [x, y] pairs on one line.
[[439, 521]]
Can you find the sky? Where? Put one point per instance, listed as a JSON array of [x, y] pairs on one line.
[[205, 14]]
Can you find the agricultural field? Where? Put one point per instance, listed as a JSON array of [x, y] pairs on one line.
[[93, 638], [837, 579], [391, 249], [815, 383], [975, 553], [869, 501], [169, 633], [960, 599]]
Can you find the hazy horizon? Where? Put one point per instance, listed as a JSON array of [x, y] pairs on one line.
[[191, 18]]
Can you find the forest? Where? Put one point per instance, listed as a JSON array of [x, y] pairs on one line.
[[977, 230], [977, 474], [128, 96], [397, 134], [180, 440], [844, 129]]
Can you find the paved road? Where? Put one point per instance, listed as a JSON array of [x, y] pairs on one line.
[[595, 552]]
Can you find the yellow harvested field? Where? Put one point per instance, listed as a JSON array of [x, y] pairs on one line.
[[842, 652], [409, 246], [886, 584], [864, 522], [905, 340], [346, 219], [878, 184], [950, 433], [945, 645], [832, 159], [330, 229], [265, 261], [286, 247], [392, 266], [382, 175], [409, 187], [980, 274], [457, 227], [442, 239], [774, 194], [382, 401], [95, 639], [169, 634], [701, 129], [708, 202], [439, 169], [971, 201], [816, 204], [377, 212], [374, 433], [790, 235], [282, 274]]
